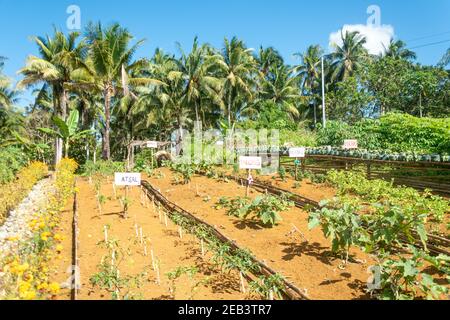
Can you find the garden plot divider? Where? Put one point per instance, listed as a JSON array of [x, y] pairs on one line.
[[435, 244], [418, 175], [290, 291]]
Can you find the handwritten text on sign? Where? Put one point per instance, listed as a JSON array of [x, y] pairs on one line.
[[297, 152], [152, 144], [250, 163], [127, 179], [350, 144]]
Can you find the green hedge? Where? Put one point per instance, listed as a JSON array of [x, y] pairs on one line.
[[12, 159], [393, 132]]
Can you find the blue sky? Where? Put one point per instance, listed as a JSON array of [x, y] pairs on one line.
[[288, 25]]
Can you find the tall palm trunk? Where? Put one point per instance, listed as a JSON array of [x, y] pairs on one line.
[[106, 152], [197, 117], [57, 107], [229, 110]]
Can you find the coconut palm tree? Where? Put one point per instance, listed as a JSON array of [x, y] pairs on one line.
[[237, 67], [348, 57], [445, 59], [283, 89], [268, 59], [309, 72], [167, 104], [59, 56], [196, 70], [397, 49], [108, 68]]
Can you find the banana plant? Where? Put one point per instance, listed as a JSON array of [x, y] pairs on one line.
[[67, 130]]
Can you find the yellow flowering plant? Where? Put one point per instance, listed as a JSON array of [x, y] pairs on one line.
[[27, 271]]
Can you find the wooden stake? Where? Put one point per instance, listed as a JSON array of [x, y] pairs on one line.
[[241, 276], [114, 191], [145, 249], [136, 229], [165, 219], [271, 297], [158, 280], [113, 259], [125, 207], [180, 231], [247, 190], [202, 244], [105, 229], [153, 259]]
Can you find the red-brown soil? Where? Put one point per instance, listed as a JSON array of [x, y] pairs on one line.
[[303, 258], [168, 247]]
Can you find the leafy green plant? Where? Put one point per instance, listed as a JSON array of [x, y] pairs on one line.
[[266, 208], [342, 226], [67, 130], [268, 286], [401, 277], [186, 171], [176, 274], [235, 206], [282, 173]]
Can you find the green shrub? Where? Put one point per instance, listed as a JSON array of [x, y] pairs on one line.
[[11, 160], [395, 132], [105, 168]]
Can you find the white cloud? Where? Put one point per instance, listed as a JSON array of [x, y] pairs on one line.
[[376, 36]]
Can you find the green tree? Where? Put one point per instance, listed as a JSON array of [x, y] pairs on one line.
[[237, 67], [397, 50], [60, 55], [348, 57], [309, 72], [108, 69], [67, 130]]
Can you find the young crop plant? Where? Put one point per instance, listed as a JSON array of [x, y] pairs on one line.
[[235, 206], [268, 287], [266, 208], [401, 277], [388, 225], [343, 226], [282, 173], [176, 274], [184, 171], [101, 200], [108, 276]]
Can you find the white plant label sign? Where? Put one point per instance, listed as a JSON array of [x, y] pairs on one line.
[[250, 163], [350, 144], [297, 152], [127, 179], [152, 144]]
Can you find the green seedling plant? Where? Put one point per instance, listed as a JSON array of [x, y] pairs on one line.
[[266, 208], [282, 173], [235, 206], [101, 200], [176, 274], [268, 287], [222, 254]]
